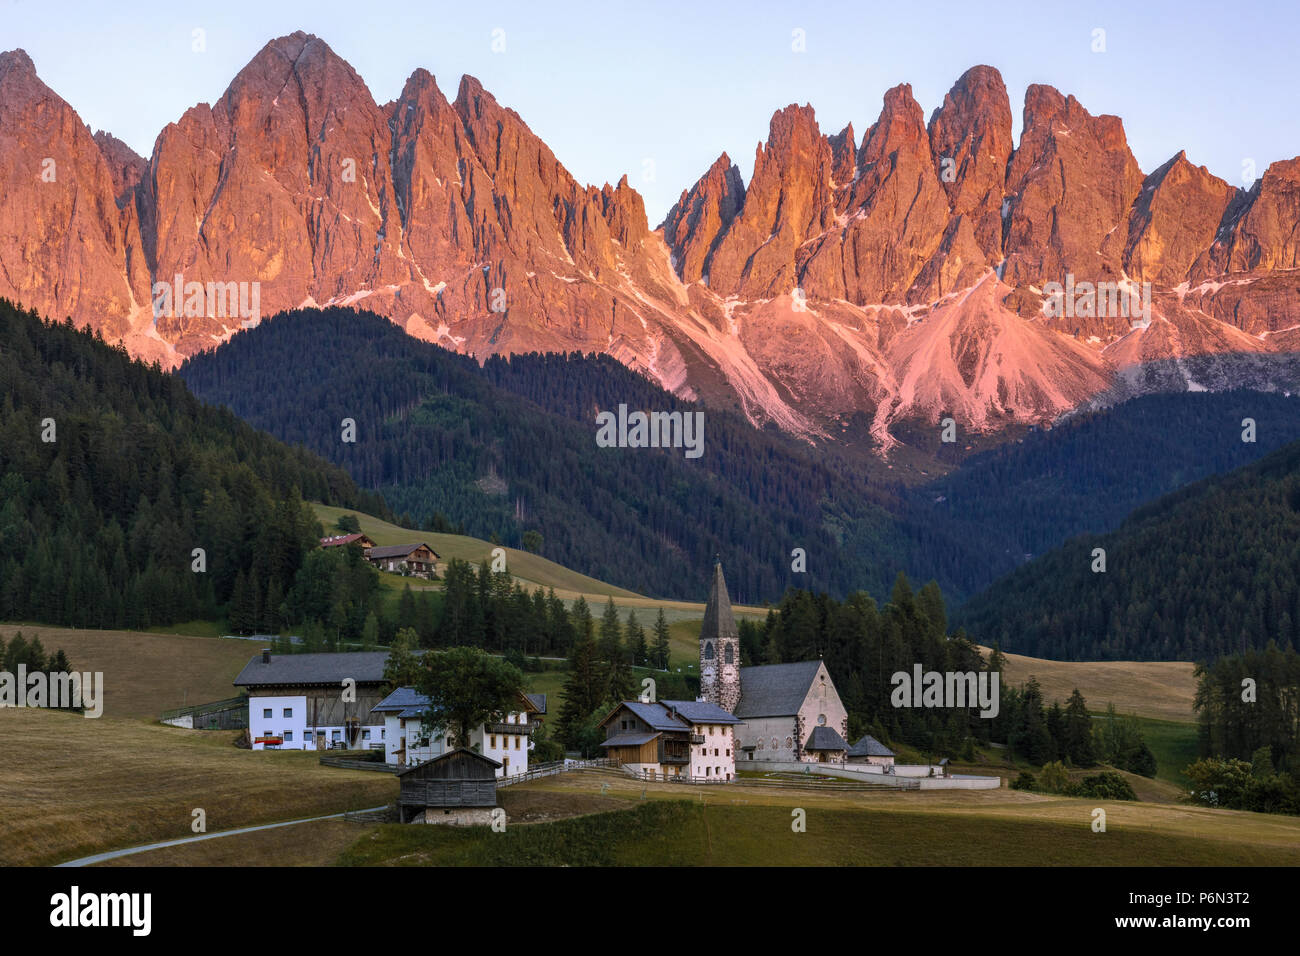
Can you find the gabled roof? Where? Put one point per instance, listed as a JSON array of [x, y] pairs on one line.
[[656, 715], [775, 690], [869, 746], [630, 740], [538, 701], [397, 550], [451, 753], [701, 712], [364, 667], [339, 539], [401, 699], [824, 738]]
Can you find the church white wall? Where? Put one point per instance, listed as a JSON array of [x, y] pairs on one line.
[[824, 700]]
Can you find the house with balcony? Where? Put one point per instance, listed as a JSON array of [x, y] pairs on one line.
[[416, 560], [672, 739], [410, 740]]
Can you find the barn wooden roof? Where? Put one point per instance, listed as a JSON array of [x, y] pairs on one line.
[[458, 764], [364, 667]]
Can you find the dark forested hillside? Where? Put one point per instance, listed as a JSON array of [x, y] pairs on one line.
[[112, 473], [1087, 474], [1208, 570], [510, 448]]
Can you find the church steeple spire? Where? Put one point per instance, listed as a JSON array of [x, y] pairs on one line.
[[720, 647]]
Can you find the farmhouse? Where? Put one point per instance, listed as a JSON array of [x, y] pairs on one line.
[[418, 560], [457, 788], [314, 701], [408, 742], [787, 712], [342, 540], [672, 738]]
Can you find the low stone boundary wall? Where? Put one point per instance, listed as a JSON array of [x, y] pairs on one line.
[[916, 775]]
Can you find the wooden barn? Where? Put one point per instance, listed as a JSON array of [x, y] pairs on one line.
[[459, 788]]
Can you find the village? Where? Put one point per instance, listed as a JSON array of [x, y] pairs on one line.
[[779, 718]]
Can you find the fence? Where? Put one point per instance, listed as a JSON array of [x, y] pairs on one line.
[[550, 769], [228, 714], [345, 763]]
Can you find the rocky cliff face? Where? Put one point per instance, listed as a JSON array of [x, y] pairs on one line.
[[903, 277]]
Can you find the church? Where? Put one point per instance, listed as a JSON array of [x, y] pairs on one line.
[[786, 712], [777, 713]]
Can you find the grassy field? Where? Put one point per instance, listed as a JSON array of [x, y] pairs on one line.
[[600, 819], [527, 567], [1161, 690], [147, 673], [72, 786]]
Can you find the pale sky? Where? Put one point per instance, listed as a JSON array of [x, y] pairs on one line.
[[658, 89]]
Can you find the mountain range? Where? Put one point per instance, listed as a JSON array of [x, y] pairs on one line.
[[853, 287]]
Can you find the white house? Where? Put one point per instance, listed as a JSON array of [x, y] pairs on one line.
[[314, 701], [672, 738], [409, 741]]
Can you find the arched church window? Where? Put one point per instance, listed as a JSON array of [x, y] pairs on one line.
[[821, 720], [789, 741], [708, 650], [730, 655], [760, 743], [775, 743]]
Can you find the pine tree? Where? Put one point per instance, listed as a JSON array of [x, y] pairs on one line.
[[662, 649], [636, 640], [1078, 732]]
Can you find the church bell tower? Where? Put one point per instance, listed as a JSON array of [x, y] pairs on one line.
[[720, 648]]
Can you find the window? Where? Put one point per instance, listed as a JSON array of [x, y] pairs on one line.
[[288, 736], [336, 735], [789, 742], [266, 714], [517, 743], [288, 712], [760, 743], [707, 770], [708, 650], [365, 734], [821, 720], [730, 657], [494, 741], [775, 743]]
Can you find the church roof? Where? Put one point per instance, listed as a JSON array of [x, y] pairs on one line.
[[719, 622], [701, 712], [775, 690], [824, 738], [869, 746]]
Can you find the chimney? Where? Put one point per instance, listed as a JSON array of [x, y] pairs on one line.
[[266, 655]]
